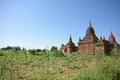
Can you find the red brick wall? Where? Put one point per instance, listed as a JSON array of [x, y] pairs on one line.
[[100, 49], [87, 48]]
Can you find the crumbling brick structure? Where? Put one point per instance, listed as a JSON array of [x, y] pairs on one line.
[[91, 44], [69, 47]]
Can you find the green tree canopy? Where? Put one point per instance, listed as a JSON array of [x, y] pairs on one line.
[[53, 48]]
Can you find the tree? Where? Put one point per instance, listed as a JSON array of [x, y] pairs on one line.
[[53, 48], [11, 48], [17, 48], [38, 50], [7, 48], [62, 45], [32, 51], [24, 49]]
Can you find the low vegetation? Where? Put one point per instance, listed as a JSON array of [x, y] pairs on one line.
[[53, 65]]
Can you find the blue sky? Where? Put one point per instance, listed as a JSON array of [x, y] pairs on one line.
[[44, 23]]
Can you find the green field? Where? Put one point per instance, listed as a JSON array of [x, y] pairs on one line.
[[53, 65]]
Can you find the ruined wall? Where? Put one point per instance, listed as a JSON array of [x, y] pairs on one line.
[[86, 48], [100, 49]]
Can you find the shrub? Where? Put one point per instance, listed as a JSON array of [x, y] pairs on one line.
[[1, 53], [57, 53]]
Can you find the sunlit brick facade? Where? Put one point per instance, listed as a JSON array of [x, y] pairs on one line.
[[91, 44]]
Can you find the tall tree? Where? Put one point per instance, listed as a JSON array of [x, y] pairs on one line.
[[53, 48]]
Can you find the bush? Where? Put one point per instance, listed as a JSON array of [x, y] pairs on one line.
[[1, 53], [57, 53], [106, 69], [32, 51]]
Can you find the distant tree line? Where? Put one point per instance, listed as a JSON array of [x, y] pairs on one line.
[[17, 48], [11, 48]]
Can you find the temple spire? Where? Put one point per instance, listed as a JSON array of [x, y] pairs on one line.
[[112, 38], [70, 39], [90, 24], [90, 29], [111, 33], [70, 42], [90, 33]]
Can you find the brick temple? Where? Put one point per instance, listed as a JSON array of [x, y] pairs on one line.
[[91, 44], [69, 47]]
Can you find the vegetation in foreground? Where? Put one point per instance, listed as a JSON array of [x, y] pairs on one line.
[[53, 65]]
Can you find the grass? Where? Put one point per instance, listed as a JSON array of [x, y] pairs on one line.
[[53, 65]]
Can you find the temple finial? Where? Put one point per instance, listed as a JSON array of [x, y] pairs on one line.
[[90, 24], [111, 33], [70, 39]]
